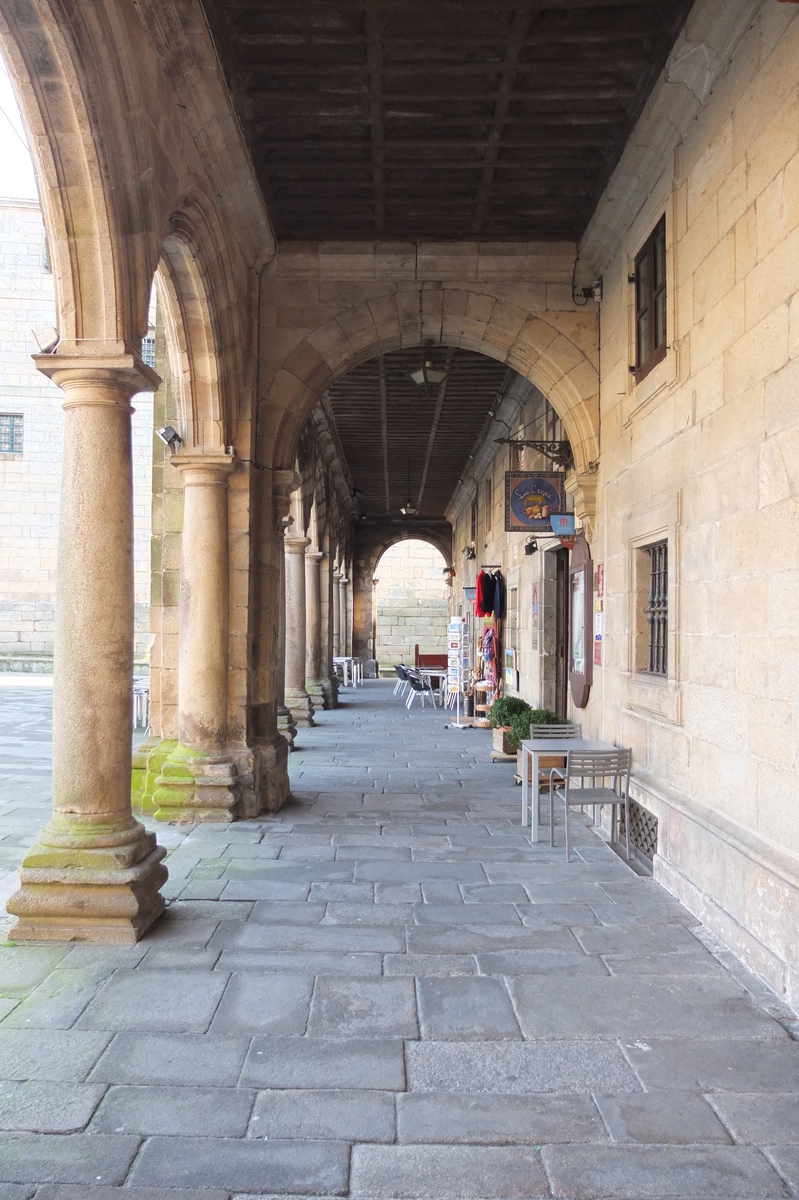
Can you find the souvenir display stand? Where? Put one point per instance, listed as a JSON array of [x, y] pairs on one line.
[[458, 665]]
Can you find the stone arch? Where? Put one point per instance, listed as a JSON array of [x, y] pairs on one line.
[[370, 543], [203, 333], [102, 235], [543, 347], [439, 541]]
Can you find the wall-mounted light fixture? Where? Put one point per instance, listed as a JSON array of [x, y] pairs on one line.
[[170, 437]]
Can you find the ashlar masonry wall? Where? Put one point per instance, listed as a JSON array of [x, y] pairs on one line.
[[30, 481], [411, 597], [703, 453]]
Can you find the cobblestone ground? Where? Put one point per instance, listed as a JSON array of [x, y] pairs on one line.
[[385, 991]]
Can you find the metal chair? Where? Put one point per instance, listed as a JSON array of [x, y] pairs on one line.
[[591, 777], [566, 729]]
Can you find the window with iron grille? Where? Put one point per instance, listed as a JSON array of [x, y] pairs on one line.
[[656, 609], [489, 500], [148, 351], [473, 534], [650, 302], [10, 433]]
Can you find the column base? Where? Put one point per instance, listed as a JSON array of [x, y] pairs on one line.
[[89, 883], [316, 690], [148, 763], [301, 708], [194, 786], [331, 686], [272, 787], [285, 725]]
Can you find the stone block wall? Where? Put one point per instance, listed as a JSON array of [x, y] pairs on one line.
[[411, 598], [30, 482]]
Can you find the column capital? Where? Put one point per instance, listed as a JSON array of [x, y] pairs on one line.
[[121, 368], [343, 581], [314, 555], [296, 544], [284, 482], [204, 469]]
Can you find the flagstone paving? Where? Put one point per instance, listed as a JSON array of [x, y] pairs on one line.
[[385, 991]]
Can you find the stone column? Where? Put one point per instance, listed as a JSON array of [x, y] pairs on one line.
[[336, 602], [297, 697], [285, 720], [198, 780], [314, 681], [343, 619], [94, 873]]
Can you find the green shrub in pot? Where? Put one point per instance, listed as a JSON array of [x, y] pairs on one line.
[[501, 711], [520, 723]]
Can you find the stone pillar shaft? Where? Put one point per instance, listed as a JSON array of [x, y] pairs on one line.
[[297, 697], [335, 600], [198, 780], [344, 624], [95, 872], [313, 623]]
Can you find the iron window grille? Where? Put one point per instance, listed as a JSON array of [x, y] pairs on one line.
[[656, 609], [650, 302], [10, 433]]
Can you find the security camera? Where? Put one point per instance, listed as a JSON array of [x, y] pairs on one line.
[[46, 339]]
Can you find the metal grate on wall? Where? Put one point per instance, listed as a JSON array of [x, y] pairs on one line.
[[643, 829]]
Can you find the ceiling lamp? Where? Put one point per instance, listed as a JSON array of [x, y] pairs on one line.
[[427, 374], [409, 509]]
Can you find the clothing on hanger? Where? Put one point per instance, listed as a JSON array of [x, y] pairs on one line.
[[484, 601], [498, 606]]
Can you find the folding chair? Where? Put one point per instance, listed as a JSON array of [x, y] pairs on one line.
[[591, 777]]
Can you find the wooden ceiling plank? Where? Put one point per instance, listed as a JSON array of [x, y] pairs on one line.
[[384, 429], [442, 394], [374, 56]]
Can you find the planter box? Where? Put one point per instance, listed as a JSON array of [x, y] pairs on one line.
[[545, 764], [501, 744]]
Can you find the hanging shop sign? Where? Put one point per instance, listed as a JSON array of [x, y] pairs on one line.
[[563, 528], [531, 500]]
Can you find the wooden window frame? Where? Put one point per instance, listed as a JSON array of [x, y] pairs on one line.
[[648, 291]]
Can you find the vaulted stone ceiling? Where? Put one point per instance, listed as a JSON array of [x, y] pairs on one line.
[[388, 425], [439, 119]]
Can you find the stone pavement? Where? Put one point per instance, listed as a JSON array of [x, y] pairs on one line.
[[385, 991]]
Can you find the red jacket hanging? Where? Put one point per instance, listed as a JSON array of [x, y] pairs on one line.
[[484, 600]]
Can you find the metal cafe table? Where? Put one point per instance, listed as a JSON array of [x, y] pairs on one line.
[[536, 748]]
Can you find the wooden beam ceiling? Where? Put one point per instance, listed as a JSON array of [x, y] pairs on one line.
[[392, 429], [439, 118]]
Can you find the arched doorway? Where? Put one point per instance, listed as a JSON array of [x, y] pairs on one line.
[[410, 603]]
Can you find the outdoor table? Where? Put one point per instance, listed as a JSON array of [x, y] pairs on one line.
[[348, 666], [536, 748], [439, 673]]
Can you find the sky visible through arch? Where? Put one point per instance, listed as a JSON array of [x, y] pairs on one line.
[[17, 180]]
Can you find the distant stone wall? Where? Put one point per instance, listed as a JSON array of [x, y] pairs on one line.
[[411, 602], [30, 482]]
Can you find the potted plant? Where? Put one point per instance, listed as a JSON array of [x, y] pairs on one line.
[[520, 724], [500, 715]]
